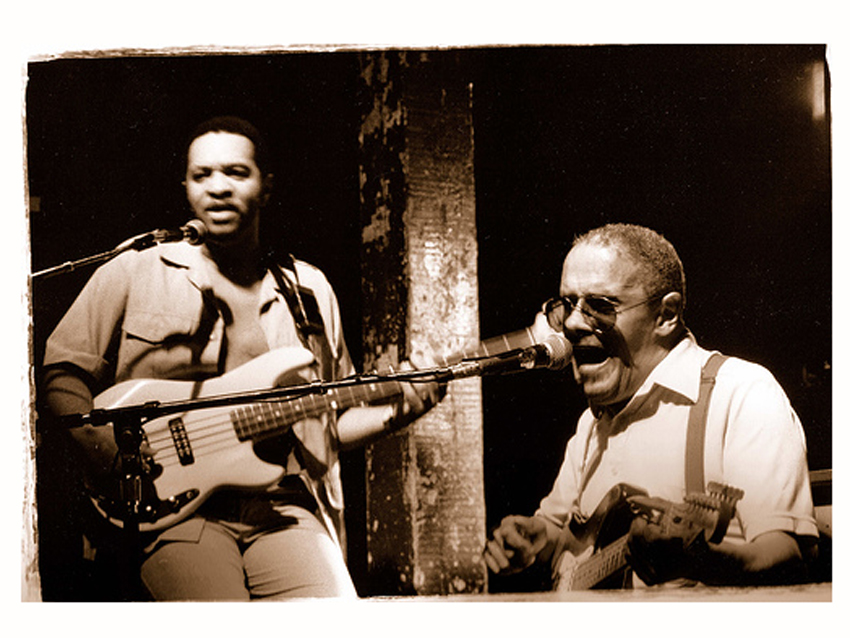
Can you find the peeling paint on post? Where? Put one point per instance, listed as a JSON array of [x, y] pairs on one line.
[[425, 486]]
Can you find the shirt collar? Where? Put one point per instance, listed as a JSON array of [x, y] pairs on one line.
[[188, 257], [679, 371], [180, 254]]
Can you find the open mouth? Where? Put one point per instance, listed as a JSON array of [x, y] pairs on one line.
[[589, 355]]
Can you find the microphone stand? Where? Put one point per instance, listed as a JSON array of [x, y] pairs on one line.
[[127, 425], [127, 422], [139, 242]]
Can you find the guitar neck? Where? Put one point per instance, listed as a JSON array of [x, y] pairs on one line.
[[493, 346], [267, 418], [599, 566], [259, 420]]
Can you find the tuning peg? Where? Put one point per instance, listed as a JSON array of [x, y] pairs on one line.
[[726, 492]]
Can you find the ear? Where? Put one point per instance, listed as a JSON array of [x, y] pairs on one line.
[[268, 184], [669, 317]]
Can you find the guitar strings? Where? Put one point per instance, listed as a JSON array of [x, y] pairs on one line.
[[219, 428], [210, 430], [207, 434]]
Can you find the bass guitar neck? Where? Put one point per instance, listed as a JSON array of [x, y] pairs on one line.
[[199, 451]]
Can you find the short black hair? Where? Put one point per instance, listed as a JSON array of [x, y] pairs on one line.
[[237, 126]]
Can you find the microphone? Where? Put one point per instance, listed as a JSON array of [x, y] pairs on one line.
[[193, 232], [554, 353]]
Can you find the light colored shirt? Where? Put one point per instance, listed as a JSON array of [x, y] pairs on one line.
[[150, 314], [754, 441]]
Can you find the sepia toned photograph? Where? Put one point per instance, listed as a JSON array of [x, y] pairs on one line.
[[536, 323]]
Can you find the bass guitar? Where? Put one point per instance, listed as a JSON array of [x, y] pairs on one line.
[[594, 550], [199, 451]]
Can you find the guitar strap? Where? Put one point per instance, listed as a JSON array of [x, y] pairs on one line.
[[302, 305], [695, 445], [311, 331]]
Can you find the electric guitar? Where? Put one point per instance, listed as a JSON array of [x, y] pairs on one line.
[[599, 543], [200, 451]]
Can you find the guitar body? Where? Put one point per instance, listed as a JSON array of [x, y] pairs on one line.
[[609, 521], [594, 551], [198, 452], [596, 541]]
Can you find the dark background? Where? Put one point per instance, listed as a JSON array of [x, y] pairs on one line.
[[714, 146]]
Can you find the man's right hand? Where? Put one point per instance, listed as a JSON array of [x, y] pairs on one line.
[[515, 544]]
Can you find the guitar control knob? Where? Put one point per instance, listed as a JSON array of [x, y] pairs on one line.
[[178, 502]]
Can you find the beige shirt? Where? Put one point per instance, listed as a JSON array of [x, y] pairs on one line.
[[149, 315]]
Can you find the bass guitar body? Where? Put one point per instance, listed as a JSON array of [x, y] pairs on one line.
[[197, 452]]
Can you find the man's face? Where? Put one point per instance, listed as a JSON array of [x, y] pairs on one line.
[[224, 186], [610, 366]]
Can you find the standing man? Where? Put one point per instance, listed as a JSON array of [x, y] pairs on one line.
[[621, 304], [178, 311]]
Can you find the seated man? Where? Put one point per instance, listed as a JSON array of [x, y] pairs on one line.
[[621, 306]]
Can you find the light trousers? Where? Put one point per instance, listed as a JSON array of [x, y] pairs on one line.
[[234, 561]]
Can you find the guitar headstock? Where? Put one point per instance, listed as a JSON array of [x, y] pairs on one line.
[[721, 499], [725, 492], [708, 514]]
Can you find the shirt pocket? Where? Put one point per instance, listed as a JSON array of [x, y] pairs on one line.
[[159, 328], [167, 346]]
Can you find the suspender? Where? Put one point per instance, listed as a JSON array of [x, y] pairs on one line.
[[694, 451]]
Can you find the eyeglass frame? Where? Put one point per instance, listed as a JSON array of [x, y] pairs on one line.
[[593, 319]]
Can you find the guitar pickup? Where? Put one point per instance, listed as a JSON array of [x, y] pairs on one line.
[[181, 441]]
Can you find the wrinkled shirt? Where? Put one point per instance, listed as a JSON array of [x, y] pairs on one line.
[[151, 315]]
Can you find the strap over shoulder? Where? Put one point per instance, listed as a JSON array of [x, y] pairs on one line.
[[694, 451], [302, 303]]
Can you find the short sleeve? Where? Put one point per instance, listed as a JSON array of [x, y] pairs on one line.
[[85, 333], [764, 454]]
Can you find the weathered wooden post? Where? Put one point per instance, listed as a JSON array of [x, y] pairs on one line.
[[425, 488]]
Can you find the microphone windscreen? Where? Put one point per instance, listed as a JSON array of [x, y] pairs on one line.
[[560, 351], [195, 231]]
